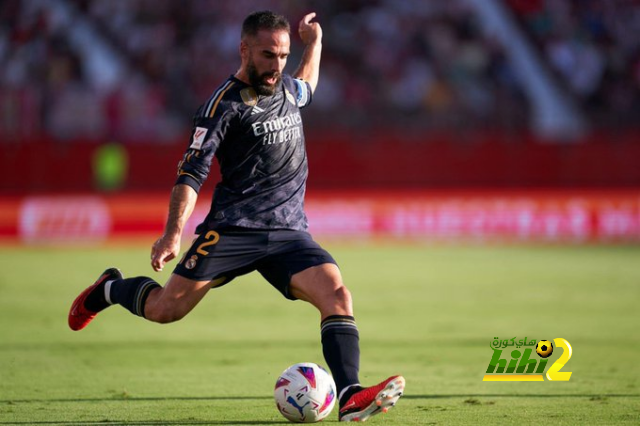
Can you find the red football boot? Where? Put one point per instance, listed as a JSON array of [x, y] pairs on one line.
[[79, 315], [371, 401]]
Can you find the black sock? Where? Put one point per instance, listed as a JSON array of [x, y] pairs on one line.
[[341, 349], [95, 301], [132, 293]]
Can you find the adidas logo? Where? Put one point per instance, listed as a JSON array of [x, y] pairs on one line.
[[256, 110]]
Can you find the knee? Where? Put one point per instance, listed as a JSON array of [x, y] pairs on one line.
[[335, 302], [322, 286], [338, 301], [342, 297]]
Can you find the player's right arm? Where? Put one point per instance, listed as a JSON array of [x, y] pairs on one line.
[[209, 128], [167, 247]]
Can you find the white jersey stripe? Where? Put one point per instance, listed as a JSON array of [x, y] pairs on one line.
[[215, 96]]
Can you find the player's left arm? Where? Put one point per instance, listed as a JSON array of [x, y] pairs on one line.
[[311, 36]]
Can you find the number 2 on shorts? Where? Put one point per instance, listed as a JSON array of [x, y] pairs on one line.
[[213, 237]]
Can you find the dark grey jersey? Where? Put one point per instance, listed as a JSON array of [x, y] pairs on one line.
[[259, 144]]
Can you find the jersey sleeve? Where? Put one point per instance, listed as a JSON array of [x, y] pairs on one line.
[[301, 90], [206, 135]]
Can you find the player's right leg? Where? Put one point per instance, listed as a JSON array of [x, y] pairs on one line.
[[233, 253], [142, 296], [91, 301], [176, 299]]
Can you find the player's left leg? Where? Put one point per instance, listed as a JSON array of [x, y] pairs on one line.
[[300, 269], [322, 286]]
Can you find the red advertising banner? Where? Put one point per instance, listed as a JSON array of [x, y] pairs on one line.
[[510, 216]]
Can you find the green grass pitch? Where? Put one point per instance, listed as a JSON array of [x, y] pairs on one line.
[[427, 312]]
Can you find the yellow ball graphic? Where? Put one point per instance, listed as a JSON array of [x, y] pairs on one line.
[[544, 348]]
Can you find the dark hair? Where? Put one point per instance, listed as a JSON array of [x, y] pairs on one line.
[[263, 20]]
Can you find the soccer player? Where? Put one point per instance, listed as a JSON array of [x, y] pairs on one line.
[[252, 125]]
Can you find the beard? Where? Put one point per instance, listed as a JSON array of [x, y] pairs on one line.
[[257, 80]]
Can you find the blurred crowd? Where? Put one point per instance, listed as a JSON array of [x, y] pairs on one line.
[[594, 49], [410, 64]]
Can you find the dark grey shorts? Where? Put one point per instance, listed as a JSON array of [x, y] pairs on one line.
[[221, 255]]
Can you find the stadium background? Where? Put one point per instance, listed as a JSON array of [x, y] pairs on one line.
[[474, 168], [430, 122]]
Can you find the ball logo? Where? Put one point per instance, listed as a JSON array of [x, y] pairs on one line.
[[523, 366], [544, 348]]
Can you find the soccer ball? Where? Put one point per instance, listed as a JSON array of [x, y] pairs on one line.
[[305, 393], [544, 348]]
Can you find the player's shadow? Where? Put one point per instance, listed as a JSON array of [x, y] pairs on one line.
[[238, 398], [141, 422], [253, 398], [137, 398]]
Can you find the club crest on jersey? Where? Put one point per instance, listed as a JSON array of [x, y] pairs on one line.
[[198, 137], [249, 96]]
